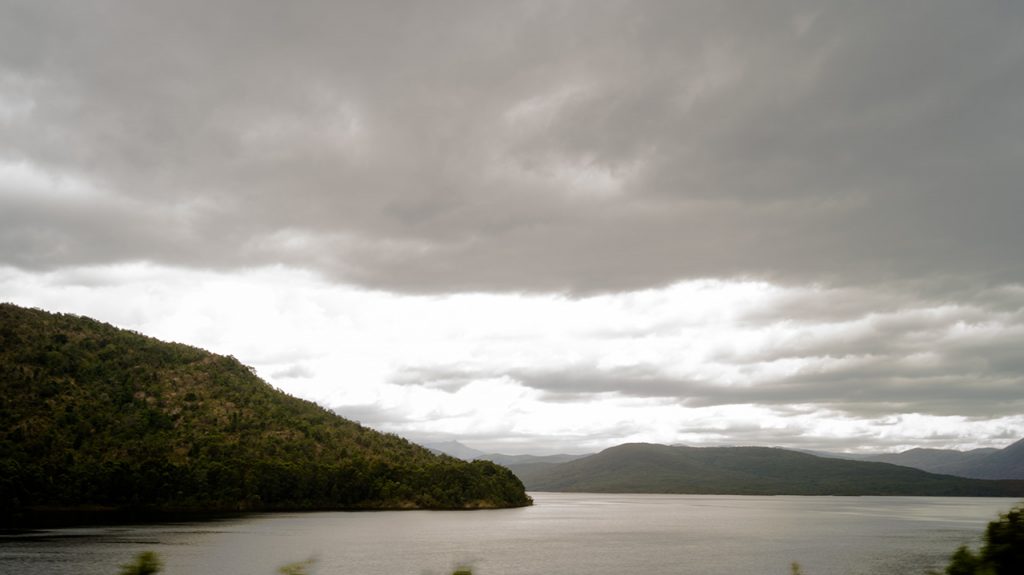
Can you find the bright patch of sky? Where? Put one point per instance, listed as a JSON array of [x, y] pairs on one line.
[[696, 362]]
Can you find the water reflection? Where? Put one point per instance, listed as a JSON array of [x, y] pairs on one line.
[[561, 534]]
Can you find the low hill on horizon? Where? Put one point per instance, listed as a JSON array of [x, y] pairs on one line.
[[982, 463], [96, 416], [651, 468]]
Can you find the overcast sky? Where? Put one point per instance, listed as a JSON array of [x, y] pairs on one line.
[[543, 226]]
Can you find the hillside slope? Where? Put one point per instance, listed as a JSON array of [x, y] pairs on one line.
[[647, 468], [92, 415], [1005, 463], [946, 461]]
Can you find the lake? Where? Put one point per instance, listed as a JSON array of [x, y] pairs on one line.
[[564, 533]]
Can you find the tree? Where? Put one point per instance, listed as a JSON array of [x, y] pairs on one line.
[[1004, 543], [1002, 552]]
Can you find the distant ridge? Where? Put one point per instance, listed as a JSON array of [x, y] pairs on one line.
[[1007, 462], [464, 452], [650, 468], [455, 449], [987, 463], [96, 417]]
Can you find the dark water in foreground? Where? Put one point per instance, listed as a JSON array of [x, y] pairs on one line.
[[562, 534]]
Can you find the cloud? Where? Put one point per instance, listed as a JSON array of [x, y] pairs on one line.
[[519, 147], [944, 360], [545, 373], [293, 372], [525, 222]]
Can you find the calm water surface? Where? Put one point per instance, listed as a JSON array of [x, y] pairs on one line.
[[562, 534]]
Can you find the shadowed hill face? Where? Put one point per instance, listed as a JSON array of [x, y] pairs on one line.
[[1006, 463], [648, 468], [94, 415], [934, 460]]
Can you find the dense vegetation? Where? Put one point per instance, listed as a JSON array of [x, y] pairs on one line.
[[92, 415], [1001, 554], [647, 468]]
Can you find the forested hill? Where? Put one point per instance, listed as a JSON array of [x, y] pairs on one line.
[[648, 468], [95, 416]]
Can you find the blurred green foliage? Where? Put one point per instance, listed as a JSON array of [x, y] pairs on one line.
[[146, 563], [297, 568], [1002, 552]]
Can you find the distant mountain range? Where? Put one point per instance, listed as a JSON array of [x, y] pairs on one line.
[[659, 468], [1007, 463], [988, 463], [649, 468], [456, 449]]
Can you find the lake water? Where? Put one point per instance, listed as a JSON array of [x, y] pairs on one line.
[[563, 534]]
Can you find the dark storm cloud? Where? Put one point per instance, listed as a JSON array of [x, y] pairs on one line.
[[871, 388], [867, 389], [570, 383], [520, 146], [936, 331], [961, 298]]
